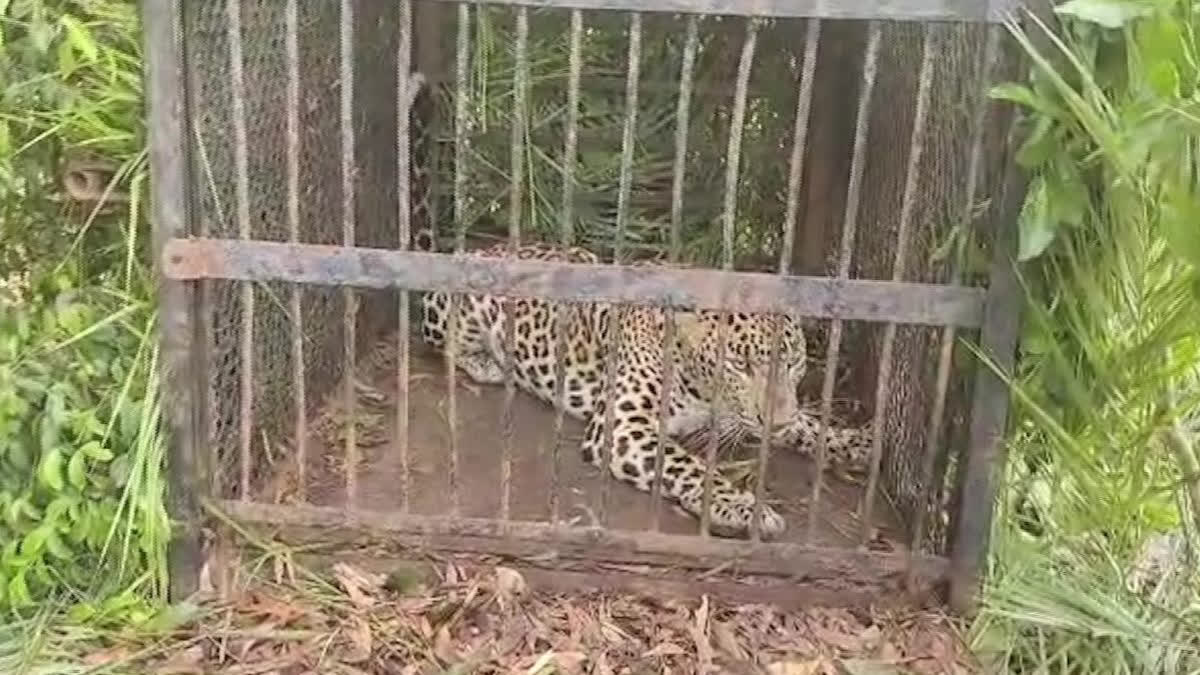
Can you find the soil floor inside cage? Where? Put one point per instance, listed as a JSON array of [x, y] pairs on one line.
[[581, 486]]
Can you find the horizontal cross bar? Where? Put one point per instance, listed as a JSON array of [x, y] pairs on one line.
[[683, 288], [990, 11], [524, 538]]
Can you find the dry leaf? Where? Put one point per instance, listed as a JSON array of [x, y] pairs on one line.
[[443, 646], [866, 667], [835, 638], [509, 584], [727, 641], [870, 637], [699, 632], [810, 667], [664, 649], [104, 657], [185, 662], [360, 586], [360, 641]]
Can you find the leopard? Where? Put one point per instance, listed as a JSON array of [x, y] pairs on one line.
[[703, 370]]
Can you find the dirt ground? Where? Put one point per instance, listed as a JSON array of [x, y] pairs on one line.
[[487, 620], [581, 486]]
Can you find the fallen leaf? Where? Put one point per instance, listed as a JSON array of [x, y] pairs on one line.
[[443, 646], [727, 641], [360, 586], [509, 584], [184, 662], [359, 633], [809, 667], [867, 667], [104, 657], [664, 649]]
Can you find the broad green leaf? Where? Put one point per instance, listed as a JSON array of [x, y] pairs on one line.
[[1163, 77], [18, 591], [50, 470], [1181, 226], [97, 452], [80, 37], [57, 547], [1037, 226], [1106, 13], [1041, 144], [77, 470], [33, 543]]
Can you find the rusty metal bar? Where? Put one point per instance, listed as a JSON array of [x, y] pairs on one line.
[[350, 298], [849, 299], [237, 85], [733, 155], [912, 172], [295, 300], [570, 145], [561, 318], [461, 120], [993, 11], [812, 39], [617, 312], [517, 167], [989, 402], [987, 65], [404, 101], [632, 73], [667, 363], [184, 344], [462, 60], [520, 538], [849, 229]]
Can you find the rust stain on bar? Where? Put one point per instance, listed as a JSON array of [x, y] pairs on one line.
[[818, 297]]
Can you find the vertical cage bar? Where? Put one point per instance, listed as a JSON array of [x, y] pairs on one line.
[[989, 403], [295, 300], [632, 75], [349, 327], [849, 229], [812, 40], [404, 101], [949, 333], [617, 311], [517, 168], [733, 156], [183, 341], [562, 311], [667, 364], [998, 339], [237, 81], [462, 52], [714, 435], [916, 149], [728, 216]]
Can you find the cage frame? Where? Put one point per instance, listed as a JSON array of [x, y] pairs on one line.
[[185, 263]]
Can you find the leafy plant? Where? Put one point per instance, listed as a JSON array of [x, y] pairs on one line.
[[1106, 389], [81, 448]]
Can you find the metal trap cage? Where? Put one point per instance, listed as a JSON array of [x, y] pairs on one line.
[[839, 162]]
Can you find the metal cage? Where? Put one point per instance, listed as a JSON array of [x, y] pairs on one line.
[[299, 147]]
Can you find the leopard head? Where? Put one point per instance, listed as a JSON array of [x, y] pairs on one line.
[[746, 366]]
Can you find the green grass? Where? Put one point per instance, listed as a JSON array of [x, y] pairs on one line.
[[81, 445], [1106, 395]]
